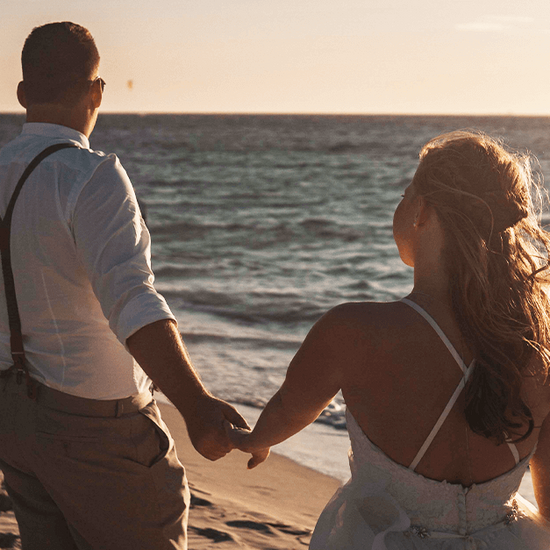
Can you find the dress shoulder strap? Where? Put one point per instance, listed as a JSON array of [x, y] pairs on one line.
[[514, 451], [466, 370], [439, 332]]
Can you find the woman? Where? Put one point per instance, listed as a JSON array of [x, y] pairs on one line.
[[446, 390]]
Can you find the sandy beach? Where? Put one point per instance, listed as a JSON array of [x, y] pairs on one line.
[[274, 506]]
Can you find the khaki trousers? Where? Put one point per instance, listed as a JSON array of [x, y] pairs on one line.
[[86, 474]]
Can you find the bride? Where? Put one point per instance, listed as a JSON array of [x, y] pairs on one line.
[[446, 390]]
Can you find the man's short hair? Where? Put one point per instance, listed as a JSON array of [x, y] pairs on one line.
[[58, 61]]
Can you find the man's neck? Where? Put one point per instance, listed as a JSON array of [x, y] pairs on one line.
[[76, 119]]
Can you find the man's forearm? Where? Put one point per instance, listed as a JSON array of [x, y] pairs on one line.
[[161, 353]]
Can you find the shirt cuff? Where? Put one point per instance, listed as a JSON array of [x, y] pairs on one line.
[[140, 311]]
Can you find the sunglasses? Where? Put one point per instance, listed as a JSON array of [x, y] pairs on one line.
[[102, 83]]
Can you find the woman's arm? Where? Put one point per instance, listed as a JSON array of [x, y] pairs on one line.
[[540, 469], [312, 380]]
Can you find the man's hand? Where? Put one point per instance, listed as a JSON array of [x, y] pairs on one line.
[[206, 427]]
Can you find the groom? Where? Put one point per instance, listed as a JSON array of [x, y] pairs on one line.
[[87, 459]]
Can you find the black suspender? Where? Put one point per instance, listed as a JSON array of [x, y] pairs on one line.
[[16, 337]]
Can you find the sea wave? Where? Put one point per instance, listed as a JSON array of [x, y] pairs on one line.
[[333, 415]]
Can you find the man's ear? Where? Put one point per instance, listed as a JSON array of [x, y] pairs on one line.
[[21, 95], [97, 95], [97, 100]]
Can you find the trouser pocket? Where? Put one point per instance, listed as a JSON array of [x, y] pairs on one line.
[[155, 441]]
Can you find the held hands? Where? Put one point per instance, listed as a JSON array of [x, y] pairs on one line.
[[243, 440], [216, 428], [206, 427]]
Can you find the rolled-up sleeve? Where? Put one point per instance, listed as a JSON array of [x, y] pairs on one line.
[[114, 246]]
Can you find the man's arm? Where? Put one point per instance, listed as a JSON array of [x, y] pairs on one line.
[[114, 247], [540, 469], [161, 353]]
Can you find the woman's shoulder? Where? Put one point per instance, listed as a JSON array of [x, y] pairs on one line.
[[367, 315], [362, 327]]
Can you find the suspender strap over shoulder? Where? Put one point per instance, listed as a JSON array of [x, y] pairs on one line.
[[16, 336]]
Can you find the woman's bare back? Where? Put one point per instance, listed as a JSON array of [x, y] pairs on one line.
[[397, 376]]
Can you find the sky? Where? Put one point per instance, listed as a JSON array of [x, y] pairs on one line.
[[303, 56]]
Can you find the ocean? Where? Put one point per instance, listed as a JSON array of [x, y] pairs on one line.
[[261, 223]]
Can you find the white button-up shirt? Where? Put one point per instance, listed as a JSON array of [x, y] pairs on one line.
[[81, 262]]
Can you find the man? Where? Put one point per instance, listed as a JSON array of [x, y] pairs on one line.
[[87, 460]]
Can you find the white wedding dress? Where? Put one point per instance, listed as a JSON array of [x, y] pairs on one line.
[[387, 506]]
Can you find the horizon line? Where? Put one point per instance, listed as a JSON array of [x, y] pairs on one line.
[[291, 113]]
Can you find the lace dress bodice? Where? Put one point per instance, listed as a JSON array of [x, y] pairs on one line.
[[435, 505]]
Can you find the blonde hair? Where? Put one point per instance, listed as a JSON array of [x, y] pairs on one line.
[[496, 255]]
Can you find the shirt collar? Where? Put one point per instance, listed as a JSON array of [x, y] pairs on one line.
[[45, 129]]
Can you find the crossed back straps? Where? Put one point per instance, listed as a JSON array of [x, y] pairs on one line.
[[466, 370]]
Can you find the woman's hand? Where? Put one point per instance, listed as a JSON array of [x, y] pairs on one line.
[[243, 440]]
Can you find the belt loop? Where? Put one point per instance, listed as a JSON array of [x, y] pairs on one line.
[[119, 409]]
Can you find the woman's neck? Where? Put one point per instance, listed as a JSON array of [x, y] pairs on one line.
[[431, 281], [434, 293]]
